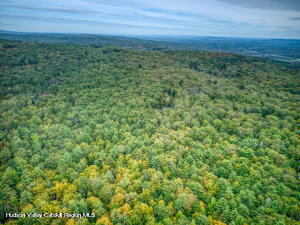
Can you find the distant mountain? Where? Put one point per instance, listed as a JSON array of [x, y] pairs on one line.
[[280, 49], [284, 49], [85, 39]]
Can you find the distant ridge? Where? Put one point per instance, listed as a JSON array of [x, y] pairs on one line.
[[279, 49]]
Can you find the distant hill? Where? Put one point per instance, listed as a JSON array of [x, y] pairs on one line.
[[280, 49], [87, 39]]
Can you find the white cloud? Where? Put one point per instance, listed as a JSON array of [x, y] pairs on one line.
[[196, 17]]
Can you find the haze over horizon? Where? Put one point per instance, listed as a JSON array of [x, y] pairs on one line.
[[228, 18]]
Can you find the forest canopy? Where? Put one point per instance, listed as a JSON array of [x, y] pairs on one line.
[[147, 137]]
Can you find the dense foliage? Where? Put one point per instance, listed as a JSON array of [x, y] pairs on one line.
[[147, 137]]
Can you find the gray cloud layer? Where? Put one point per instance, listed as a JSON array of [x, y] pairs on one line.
[[62, 10], [291, 5], [295, 18], [193, 17]]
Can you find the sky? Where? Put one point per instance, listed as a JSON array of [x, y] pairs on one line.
[[227, 18]]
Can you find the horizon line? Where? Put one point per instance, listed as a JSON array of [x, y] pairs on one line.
[[146, 35]]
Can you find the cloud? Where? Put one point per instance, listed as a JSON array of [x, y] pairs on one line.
[[94, 22], [109, 10], [61, 10], [290, 5], [189, 17], [295, 18]]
